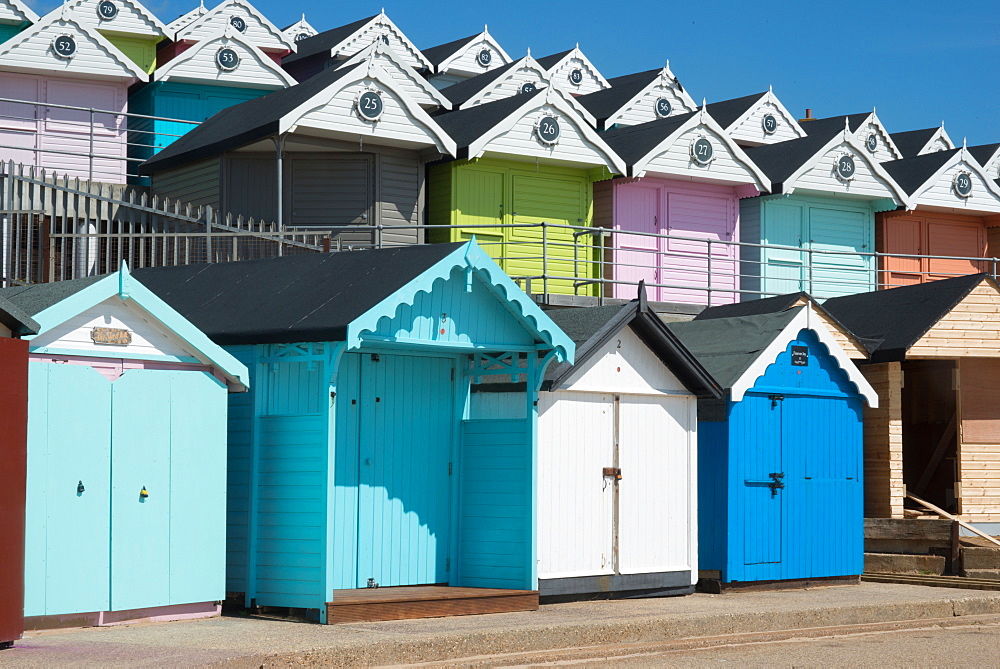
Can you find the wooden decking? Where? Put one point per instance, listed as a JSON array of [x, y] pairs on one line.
[[424, 601]]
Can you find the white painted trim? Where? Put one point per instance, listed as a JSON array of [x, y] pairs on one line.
[[873, 118], [443, 142], [299, 27], [148, 15], [442, 68], [692, 484], [525, 63], [665, 78], [938, 134], [963, 156], [381, 48], [806, 319], [788, 117], [26, 11], [703, 118], [576, 53], [224, 7], [163, 73], [862, 154], [383, 17], [187, 18], [553, 97]]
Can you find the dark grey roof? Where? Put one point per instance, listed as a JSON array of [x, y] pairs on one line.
[[780, 160], [726, 112], [602, 104], [437, 54], [767, 305], [467, 125], [464, 91], [591, 328], [325, 41], [888, 322], [825, 125], [309, 297], [632, 143], [910, 142], [726, 347], [241, 124], [35, 298], [912, 173], [984, 152], [15, 313], [548, 61]]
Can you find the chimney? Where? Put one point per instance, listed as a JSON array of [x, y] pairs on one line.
[[809, 116]]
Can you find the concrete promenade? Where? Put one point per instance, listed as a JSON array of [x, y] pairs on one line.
[[256, 642]]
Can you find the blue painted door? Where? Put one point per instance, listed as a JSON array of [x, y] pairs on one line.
[[760, 457], [848, 233], [406, 433], [67, 531], [784, 269]]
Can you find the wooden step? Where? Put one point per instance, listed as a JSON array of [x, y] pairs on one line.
[[424, 601], [934, 581]]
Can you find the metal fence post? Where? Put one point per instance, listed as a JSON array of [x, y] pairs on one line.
[[208, 233], [90, 170], [809, 257], [545, 259], [709, 271]]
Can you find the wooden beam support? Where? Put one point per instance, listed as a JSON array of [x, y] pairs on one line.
[[945, 514], [935, 460]]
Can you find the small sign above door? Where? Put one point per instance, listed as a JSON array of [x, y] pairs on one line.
[[113, 336], [800, 356]]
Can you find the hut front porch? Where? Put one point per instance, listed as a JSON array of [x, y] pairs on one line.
[[424, 601]]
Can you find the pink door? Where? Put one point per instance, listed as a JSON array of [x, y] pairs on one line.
[[693, 220], [637, 252], [19, 122], [71, 135]]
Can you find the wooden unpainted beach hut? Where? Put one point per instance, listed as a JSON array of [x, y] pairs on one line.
[[617, 443], [785, 440], [359, 460], [126, 469], [686, 177]]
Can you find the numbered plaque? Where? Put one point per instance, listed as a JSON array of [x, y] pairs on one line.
[[576, 77], [485, 57], [963, 184], [663, 108], [226, 59], [302, 36], [528, 87], [548, 129], [107, 10], [702, 151], [370, 106], [239, 23], [871, 142], [846, 167], [64, 46], [770, 124]]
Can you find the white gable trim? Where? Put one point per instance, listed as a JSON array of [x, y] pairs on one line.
[[381, 48], [703, 118], [576, 53], [223, 8], [126, 64], [24, 11], [484, 36], [861, 153], [873, 119], [382, 18], [963, 157], [787, 116], [165, 73], [298, 28], [939, 134], [553, 97], [187, 18], [525, 63], [156, 24], [442, 141], [666, 79], [806, 319]]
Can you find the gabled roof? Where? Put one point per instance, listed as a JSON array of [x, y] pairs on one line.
[[443, 56], [466, 93], [626, 90], [279, 112], [378, 50], [16, 319], [919, 175], [52, 304], [474, 128], [737, 350], [26, 50], [856, 122], [889, 322], [132, 18], [916, 142], [438, 54], [299, 30], [180, 68], [731, 114], [332, 296], [591, 328], [912, 173], [988, 155], [639, 144], [214, 22], [556, 61], [15, 11], [341, 41]]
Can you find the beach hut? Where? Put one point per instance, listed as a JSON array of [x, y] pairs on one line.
[[914, 143], [127, 24], [61, 61], [955, 202], [361, 472], [866, 128], [239, 15], [15, 16], [348, 147], [757, 119], [617, 445], [638, 98], [13, 460], [780, 456], [464, 58], [126, 469], [573, 71], [988, 155], [531, 161], [299, 30], [521, 76], [817, 226], [685, 179]]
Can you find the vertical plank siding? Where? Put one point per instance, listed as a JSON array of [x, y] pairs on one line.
[[13, 464], [883, 438]]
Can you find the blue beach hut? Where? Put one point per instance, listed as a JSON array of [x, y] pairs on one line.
[[358, 461], [780, 494]]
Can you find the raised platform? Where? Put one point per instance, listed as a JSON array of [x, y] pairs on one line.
[[424, 601]]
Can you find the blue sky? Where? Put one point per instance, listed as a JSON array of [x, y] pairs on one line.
[[917, 62]]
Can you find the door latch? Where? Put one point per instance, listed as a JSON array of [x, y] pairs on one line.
[[776, 483], [775, 399], [613, 472]]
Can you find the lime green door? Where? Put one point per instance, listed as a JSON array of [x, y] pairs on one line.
[[480, 198]]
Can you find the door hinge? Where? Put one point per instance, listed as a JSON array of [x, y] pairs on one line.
[[449, 469], [375, 357], [447, 564]]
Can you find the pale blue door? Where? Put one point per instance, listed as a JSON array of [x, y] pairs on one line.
[[406, 435], [845, 236], [784, 268]]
